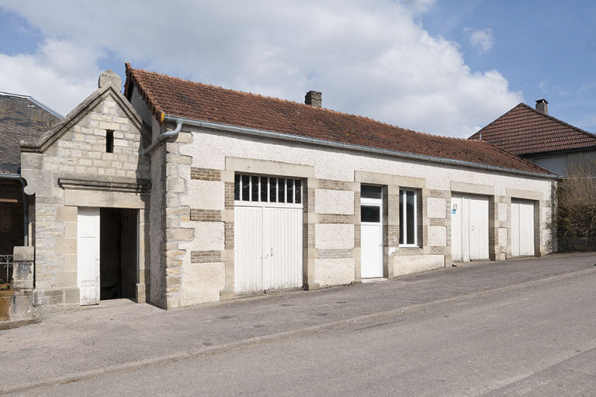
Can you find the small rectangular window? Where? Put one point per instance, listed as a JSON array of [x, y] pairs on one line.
[[255, 188], [264, 189], [370, 213], [374, 192], [237, 187], [267, 190], [109, 141], [298, 185], [281, 190], [245, 188], [290, 194], [273, 189]]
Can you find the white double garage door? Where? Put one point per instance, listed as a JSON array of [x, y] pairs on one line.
[[470, 227], [268, 235]]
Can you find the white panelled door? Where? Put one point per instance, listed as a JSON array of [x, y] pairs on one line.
[[88, 255], [267, 233], [371, 232], [522, 228], [469, 227]]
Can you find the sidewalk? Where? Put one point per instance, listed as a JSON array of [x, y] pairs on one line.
[[88, 342]]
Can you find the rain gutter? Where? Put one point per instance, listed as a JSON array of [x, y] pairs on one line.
[[314, 141]]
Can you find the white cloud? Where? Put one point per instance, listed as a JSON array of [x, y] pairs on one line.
[[367, 57], [59, 74], [480, 39]]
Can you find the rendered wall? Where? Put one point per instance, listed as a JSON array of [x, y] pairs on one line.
[[200, 209]]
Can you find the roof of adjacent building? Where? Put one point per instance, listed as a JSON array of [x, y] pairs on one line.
[[524, 130], [21, 118], [196, 101]]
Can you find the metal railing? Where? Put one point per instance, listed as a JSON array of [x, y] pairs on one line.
[[6, 262]]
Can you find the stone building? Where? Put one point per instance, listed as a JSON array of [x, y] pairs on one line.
[[90, 187], [21, 118], [179, 193]]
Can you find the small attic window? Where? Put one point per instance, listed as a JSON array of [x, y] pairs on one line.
[[109, 141]]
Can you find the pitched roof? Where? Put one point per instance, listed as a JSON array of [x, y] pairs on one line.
[[21, 118], [45, 140], [183, 98], [524, 130]]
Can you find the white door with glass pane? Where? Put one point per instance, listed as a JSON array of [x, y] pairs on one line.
[[371, 229], [522, 228], [267, 233], [88, 255], [469, 227]]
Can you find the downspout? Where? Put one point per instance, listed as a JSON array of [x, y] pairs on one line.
[[162, 137], [25, 205]]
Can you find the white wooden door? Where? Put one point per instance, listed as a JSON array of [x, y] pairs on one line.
[[478, 228], [88, 255], [469, 227], [457, 229], [282, 244], [371, 226], [268, 236], [522, 228], [248, 248]]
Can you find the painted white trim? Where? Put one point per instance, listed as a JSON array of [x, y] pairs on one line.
[[265, 204]]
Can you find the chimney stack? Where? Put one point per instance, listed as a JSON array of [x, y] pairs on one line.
[[314, 99], [542, 106]]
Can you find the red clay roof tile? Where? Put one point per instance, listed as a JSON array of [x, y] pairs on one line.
[[197, 101], [523, 130]]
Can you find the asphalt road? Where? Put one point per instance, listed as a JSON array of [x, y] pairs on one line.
[[536, 337]]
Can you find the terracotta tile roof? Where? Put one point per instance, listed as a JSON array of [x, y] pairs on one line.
[[524, 130], [197, 101], [21, 118]]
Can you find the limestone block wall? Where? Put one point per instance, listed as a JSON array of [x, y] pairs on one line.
[[335, 219], [76, 150], [82, 150], [199, 185], [196, 236]]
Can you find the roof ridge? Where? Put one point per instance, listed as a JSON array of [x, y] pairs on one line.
[[282, 100]]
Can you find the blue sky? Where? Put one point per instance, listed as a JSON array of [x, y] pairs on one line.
[[446, 67], [545, 49]]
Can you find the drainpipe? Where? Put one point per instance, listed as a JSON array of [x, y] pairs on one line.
[[25, 205], [164, 136]]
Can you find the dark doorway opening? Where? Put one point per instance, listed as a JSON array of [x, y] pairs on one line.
[[118, 253], [12, 230]]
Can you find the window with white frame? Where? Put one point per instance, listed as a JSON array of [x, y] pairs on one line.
[[266, 189], [408, 218]]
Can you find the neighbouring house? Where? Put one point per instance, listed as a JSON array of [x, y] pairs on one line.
[[179, 193], [21, 118], [540, 138]]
